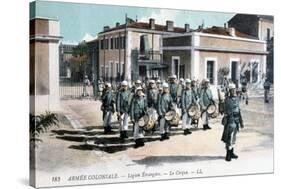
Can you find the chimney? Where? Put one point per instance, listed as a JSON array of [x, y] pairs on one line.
[[105, 28], [187, 27], [169, 25], [231, 32], [152, 23], [117, 24], [225, 25]]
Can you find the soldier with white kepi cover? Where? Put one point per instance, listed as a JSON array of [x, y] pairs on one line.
[[187, 99], [165, 104], [138, 109], [206, 100], [123, 108]]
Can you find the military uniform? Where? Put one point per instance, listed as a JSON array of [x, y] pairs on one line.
[[206, 98], [108, 109], [123, 108], [165, 103], [187, 98], [152, 94], [232, 120], [138, 108], [173, 91]]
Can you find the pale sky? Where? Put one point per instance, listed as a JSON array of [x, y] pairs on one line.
[[78, 19]]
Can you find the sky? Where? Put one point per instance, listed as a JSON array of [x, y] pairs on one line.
[[79, 19]]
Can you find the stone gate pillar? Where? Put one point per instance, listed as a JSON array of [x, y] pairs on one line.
[[44, 65]]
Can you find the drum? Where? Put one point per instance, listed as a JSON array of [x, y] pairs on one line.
[[152, 119], [169, 115], [211, 109], [142, 122], [192, 110], [172, 117]]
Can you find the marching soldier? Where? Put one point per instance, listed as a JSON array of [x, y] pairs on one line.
[[173, 88], [206, 99], [180, 87], [107, 108], [122, 108], [152, 94], [187, 98], [232, 120], [138, 108], [165, 104], [158, 84], [135, 86], [195, 89]]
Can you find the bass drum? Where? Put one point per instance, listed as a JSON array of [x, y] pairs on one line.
[[211, 109], [143, 121], [193, 110], [152, 119], [173, 118]]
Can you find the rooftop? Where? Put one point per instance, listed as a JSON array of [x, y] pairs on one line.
[[223, 31], [143, 25]]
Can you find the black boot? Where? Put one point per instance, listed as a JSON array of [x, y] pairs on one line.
[[126, 134], [247, 101], [187, 132], [122, 135], [166, 136], [105, 130], [234, 156], [206, 127], [162, 137], [139, 143], [228, 155]]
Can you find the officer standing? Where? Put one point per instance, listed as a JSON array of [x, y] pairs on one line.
[[152, 94], [187, 98], [138, 109], [122, 108], [232, 120], [107, 108], [206, 99], [165, 104], [173, 88]]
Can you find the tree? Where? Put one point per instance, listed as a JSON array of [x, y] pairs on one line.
[[78, 61]]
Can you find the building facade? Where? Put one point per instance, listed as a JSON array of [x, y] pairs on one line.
[[133, 51], [204, 53], [261, 27]]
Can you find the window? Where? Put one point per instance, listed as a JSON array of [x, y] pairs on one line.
[[122, 42], [268, 34], [116, 68], [102, 44], [111, 69], [255, 71], [210, 71], [117, 42], [111, 43]]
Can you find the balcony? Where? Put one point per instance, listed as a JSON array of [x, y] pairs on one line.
[[149, 57]]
